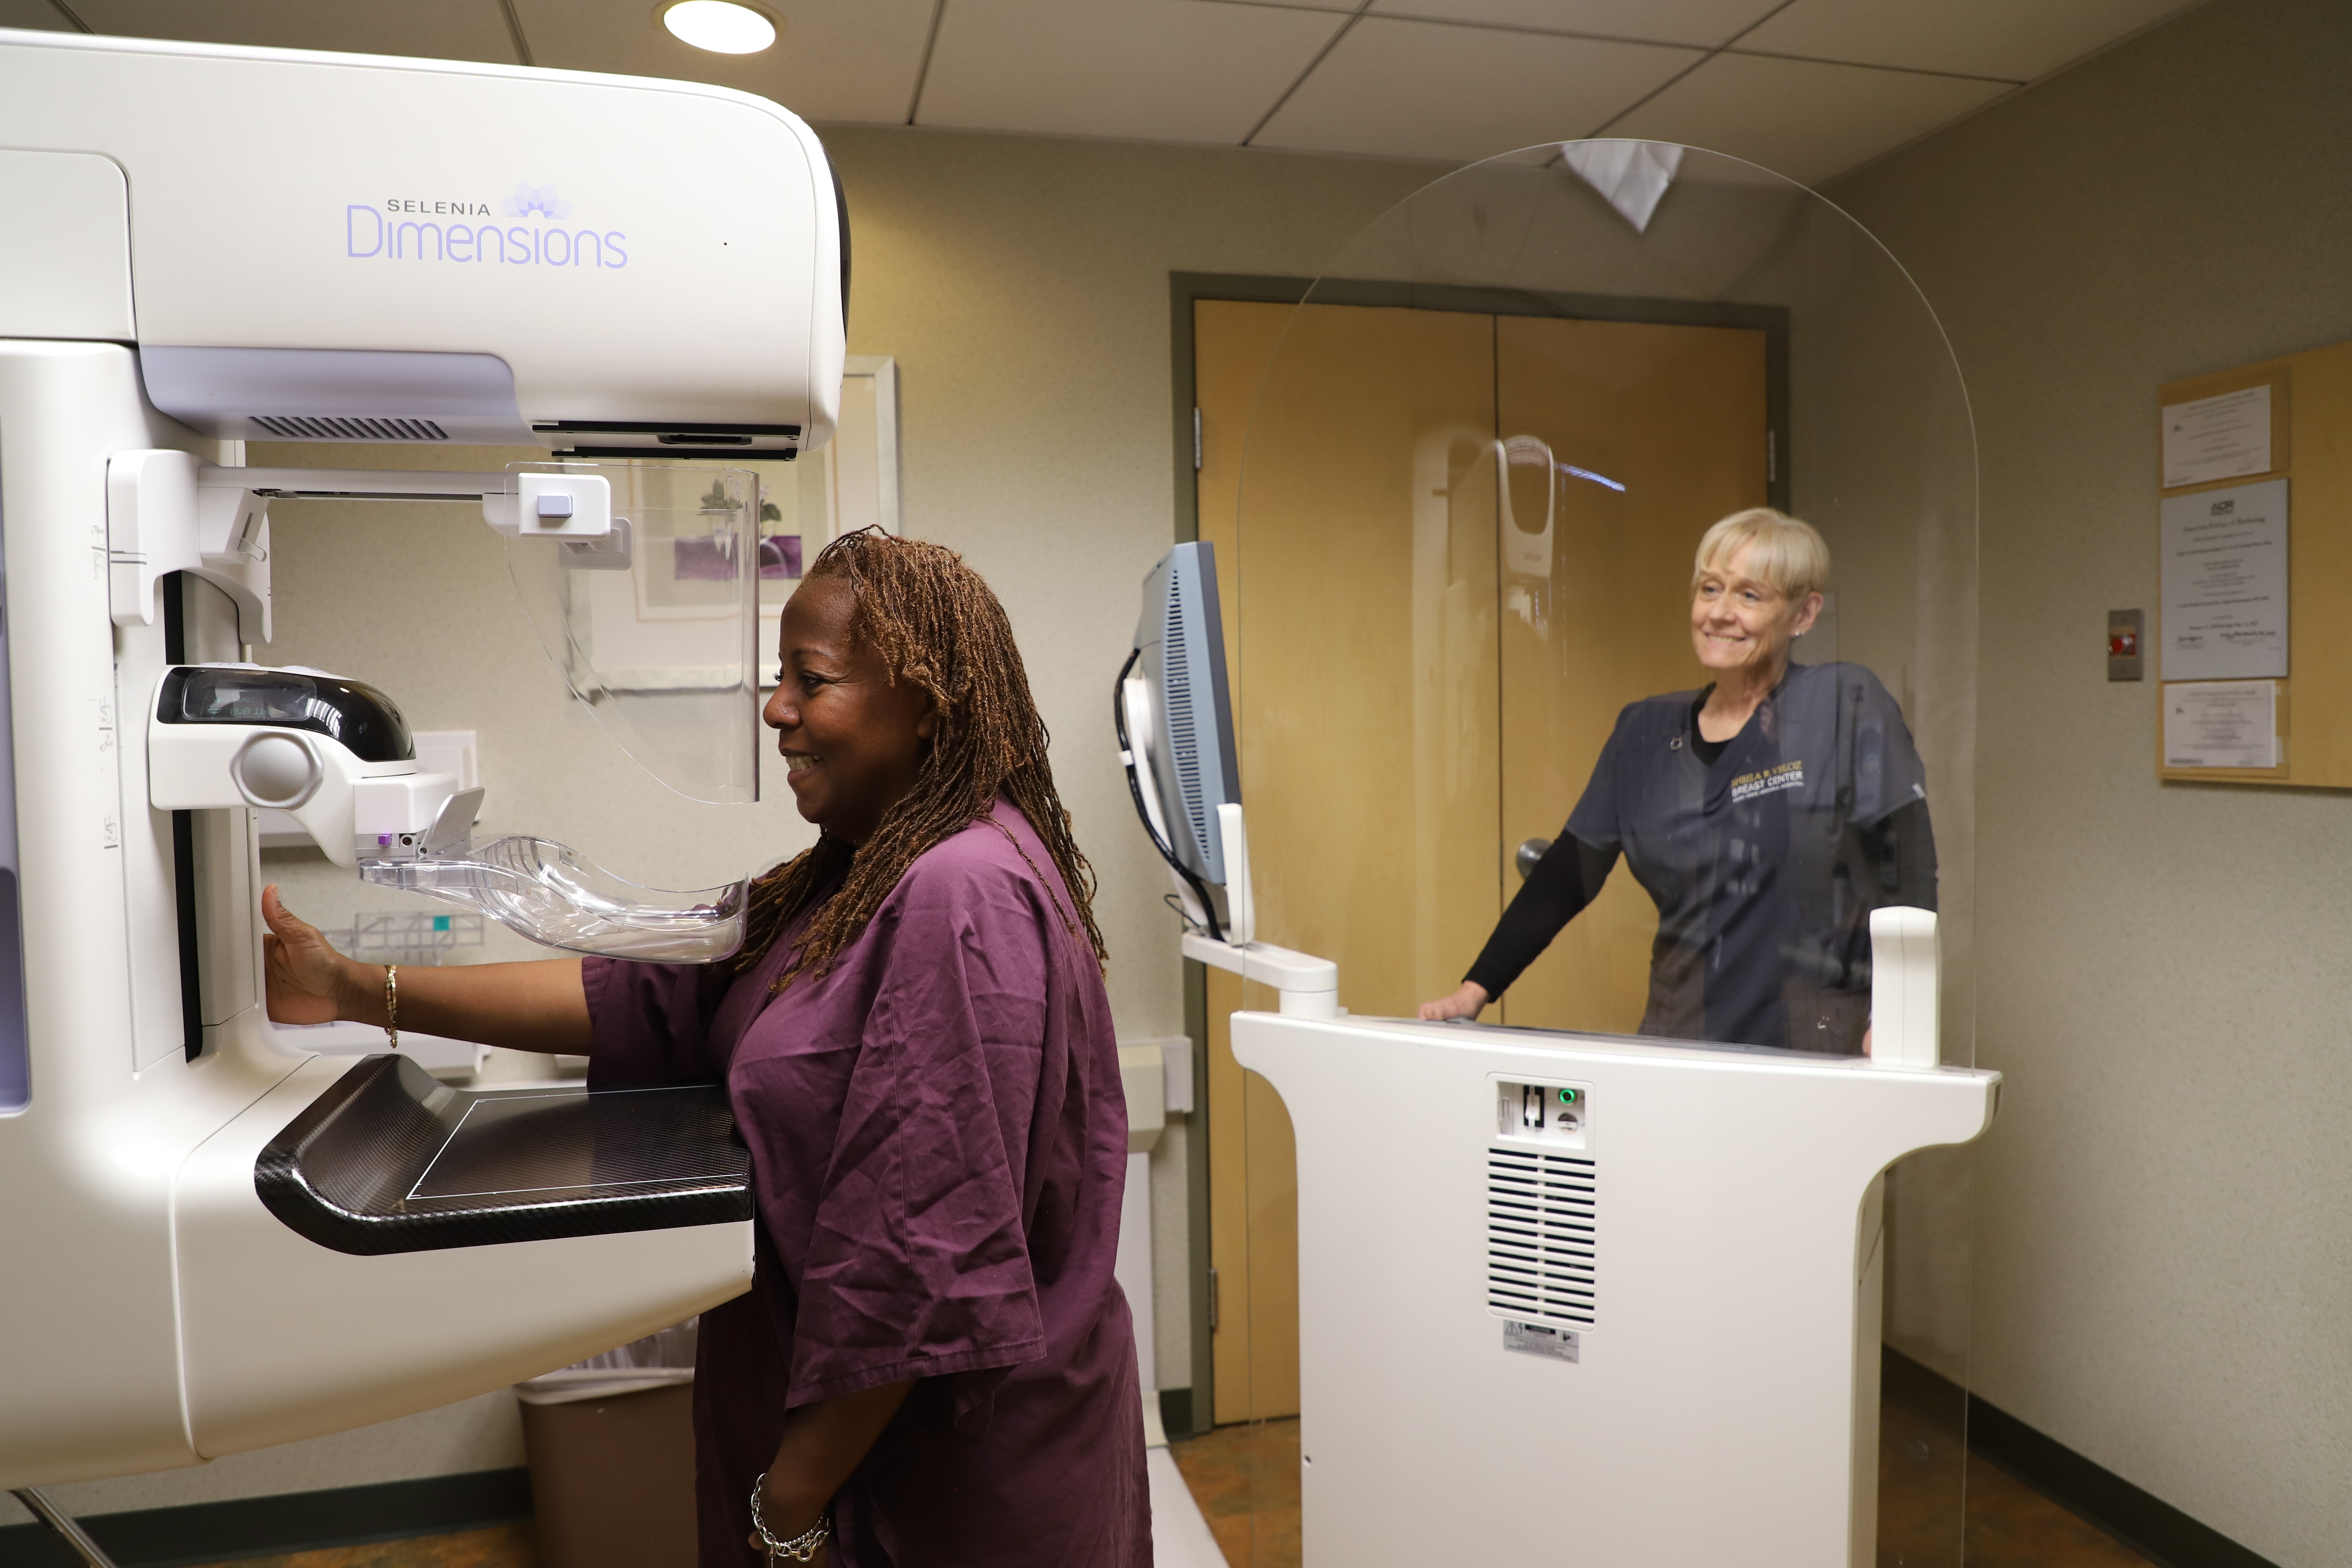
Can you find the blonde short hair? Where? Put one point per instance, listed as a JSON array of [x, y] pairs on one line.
[[1784, 553]]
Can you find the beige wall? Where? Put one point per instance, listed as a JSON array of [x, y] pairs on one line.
[[1022, 285], [2164, 1268]]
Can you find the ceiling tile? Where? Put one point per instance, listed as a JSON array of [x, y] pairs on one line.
[[2016, 39], [838, 60], [1165, 70], [1806, 121], [1415, 90], [37, 14], [433, 29], [1707, 23]]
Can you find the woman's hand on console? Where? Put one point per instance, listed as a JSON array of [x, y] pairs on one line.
[[1464, 1003], [303, 973]]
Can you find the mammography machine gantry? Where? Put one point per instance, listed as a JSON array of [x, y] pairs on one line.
[[214, 1243]]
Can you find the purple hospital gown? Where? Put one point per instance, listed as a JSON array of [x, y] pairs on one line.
[[939, 1144]]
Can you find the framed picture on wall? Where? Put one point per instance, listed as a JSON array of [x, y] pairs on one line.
[[852, 483]]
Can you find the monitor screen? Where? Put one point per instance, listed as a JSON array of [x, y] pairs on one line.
[[1188, 716]]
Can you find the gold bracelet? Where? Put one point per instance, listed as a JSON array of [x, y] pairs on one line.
[[392, 1007]]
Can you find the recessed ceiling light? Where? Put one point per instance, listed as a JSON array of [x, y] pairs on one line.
[[722, 26]]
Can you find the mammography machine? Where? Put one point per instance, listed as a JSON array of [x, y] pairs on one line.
[[214, 1244], [1563, 1294]]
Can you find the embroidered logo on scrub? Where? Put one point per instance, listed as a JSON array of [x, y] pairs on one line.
[[1788, 775]]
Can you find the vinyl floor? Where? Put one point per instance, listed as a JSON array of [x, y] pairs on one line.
[[1247, 1481], [503, 1546]]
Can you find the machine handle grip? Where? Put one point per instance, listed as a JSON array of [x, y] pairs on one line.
[[1905, 988]]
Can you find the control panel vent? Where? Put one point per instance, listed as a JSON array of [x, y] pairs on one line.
[[1541, 1237], [349, 428], [1182, 739]]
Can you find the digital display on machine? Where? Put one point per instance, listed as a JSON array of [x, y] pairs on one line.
[[367, 722]]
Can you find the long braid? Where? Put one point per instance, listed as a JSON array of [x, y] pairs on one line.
[[934, 622]]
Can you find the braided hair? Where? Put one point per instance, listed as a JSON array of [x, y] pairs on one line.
[[934, 621]]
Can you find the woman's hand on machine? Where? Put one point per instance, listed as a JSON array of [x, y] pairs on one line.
[[1463, 1004], [303, 973]]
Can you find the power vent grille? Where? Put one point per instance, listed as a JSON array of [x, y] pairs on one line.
[[1176, 660], [1540, 1237], [349, 428]]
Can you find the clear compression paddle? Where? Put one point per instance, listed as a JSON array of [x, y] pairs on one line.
[[548, 893]]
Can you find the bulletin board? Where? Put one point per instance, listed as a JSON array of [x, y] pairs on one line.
[[2310, 450]]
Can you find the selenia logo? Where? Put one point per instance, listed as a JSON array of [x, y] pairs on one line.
[[410, 228], [539, 199]]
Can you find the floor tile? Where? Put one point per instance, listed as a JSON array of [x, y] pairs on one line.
[[1245, 1480]]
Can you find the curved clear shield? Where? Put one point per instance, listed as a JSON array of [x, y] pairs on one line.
[[642, 582], [1658, 1253], [549, 893]]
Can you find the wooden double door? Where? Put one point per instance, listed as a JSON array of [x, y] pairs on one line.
[[1450, 546]]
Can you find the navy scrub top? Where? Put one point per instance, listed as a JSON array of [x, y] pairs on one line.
[[1764, 864]]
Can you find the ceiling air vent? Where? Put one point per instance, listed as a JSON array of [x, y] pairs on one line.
[[349, 428], [1539, 1236]]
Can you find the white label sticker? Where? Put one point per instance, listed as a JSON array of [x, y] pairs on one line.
[[1537, 1339]]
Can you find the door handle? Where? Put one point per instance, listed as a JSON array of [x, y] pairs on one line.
[[1533, 850]]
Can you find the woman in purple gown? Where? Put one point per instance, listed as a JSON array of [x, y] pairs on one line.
[[933, 1362]]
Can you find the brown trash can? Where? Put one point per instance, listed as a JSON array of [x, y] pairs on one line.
[[612, 1479]]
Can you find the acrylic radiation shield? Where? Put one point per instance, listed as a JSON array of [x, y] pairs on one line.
[[1537, 1288], [642, 583], [655, 624]]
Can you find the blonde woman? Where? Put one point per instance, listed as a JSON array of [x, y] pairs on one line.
[[1766, 814]]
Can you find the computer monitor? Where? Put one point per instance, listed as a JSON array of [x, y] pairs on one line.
[[1176, 718]]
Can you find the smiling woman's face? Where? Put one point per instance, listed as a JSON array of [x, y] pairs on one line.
[[852, 742], [1740, 622]]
